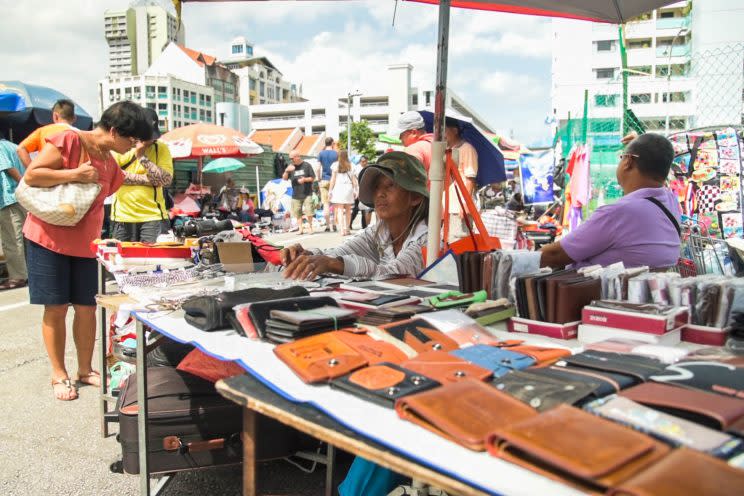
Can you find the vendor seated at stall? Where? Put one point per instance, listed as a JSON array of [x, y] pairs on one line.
[[641, 229], [396, 187]]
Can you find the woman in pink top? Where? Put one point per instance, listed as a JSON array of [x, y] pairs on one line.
[[62, 268]]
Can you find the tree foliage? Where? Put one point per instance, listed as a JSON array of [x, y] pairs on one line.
[[362, 139]]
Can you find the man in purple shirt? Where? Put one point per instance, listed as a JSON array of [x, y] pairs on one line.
[[641, 229]]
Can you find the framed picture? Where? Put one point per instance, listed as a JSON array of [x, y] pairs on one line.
[[536, 173]]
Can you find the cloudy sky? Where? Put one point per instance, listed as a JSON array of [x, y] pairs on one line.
[[499, 63]]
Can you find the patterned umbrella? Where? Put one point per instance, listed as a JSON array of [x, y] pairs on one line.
[[208, 140]]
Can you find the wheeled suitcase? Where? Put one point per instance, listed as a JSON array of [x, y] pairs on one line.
[[190, 426]]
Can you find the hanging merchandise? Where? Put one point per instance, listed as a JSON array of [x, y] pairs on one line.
[[536, 173], [578, 191]]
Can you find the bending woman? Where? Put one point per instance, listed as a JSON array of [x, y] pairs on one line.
[[396, 188], [62, 269]]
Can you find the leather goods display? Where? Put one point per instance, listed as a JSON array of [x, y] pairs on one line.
[[575, 446], [716, 377], [420, 335], [260, 311], [285, 326], [542, 355], [383, 383], [543, 392], [555, 297], [465, 412], [638, 367], [333, 354], [684, 471], [498, 360], [573, 295], [444, 367], [386, 315], [210, 313], [670, 429], [192, 426], [709, 409]]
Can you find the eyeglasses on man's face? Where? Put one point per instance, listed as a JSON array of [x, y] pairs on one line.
[[625, 155]]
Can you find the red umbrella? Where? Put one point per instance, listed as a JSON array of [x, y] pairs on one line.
[[208, 140]]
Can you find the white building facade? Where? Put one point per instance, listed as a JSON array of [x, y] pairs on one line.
[[664, 50], [329, 116], [137, 35]]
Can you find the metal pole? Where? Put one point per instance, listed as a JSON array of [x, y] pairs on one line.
[[669, 78], [103, 327], [144, 469], [348, 124], [438, 147], [624, 127]]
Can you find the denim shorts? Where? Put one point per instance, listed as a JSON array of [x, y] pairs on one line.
[[56, 279]]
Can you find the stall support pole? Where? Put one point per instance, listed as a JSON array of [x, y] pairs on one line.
[[249, 452], [438, 147], [144, 468], [104, 347]]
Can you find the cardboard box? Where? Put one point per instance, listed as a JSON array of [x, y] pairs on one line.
[[632, 321], [236, 257], [712, 336], [592, 334], [559, 331]]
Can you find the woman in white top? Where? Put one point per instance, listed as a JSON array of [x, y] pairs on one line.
[[343, 189], [396, 187]]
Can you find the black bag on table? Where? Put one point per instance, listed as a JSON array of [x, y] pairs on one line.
[[210, 313], [192, 426]]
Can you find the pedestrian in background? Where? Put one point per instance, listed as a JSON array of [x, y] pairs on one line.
[[62, 269], [344, 189], [359, 206], [12, 216], [302, 176], [138, 210], [63, 117], [327, 157]]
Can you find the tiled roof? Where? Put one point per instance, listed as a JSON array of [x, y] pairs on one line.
[[200, 57], [306, 144], [273, 137]]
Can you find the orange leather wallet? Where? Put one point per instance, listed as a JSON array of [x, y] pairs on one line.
[[574, 446], [420, 335], [684, 471], [543, 356], [464, 412], [445, 368], [333, 354]]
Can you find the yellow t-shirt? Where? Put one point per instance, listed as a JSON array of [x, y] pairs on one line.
[[141, 203]]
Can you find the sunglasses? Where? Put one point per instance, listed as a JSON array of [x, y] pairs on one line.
[[623, 155]]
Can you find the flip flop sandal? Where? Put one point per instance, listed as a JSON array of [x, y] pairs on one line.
[[83, 379], [13, 284], [67, 384]]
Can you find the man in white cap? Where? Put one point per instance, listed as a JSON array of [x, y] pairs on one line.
[[412, 132]]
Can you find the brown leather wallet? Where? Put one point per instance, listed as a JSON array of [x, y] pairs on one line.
[[464, 412], [573, 296], [445, 368], [713, 410], [574, 446], [333, 354], [684, 471], [420, 335]]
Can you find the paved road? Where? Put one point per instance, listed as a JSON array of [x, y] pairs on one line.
[[50, 447]]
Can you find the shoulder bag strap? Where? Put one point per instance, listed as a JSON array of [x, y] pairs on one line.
[[666, 211]]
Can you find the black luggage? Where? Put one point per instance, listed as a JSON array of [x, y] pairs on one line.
[[190, 426]]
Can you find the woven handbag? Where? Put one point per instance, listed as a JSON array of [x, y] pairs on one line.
[[61, 205]]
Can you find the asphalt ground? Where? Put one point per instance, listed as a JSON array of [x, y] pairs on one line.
[[50, 447]]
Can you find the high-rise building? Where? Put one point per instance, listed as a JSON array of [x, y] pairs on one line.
[[684, 67], [137, 35], [261, 82]]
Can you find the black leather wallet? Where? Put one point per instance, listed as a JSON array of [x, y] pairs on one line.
[[210, 313], [637, 367], [260, 311], [543, 392], [383, 383]]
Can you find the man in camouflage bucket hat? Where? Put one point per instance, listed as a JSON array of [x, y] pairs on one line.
[[396, 187]]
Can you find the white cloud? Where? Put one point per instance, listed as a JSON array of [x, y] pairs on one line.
[[517, 87]]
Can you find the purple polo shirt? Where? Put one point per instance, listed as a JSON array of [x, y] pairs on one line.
[[634, 231]]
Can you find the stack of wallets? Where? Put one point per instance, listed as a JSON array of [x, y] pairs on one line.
[[491, 312], [556, 297], [258, 313], [650, 322], [284, 326], [386, 315], [375, 300], [326, 356], [492, 271], [576, 447]]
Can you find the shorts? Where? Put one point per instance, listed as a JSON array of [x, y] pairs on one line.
[[144, 232], [302, 207], [56, 279], [324, 191]]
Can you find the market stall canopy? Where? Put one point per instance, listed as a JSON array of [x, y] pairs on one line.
[[208, 140], [33, 108], [613, 11], [224, 164], [490, 159]]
